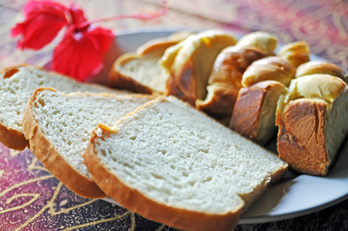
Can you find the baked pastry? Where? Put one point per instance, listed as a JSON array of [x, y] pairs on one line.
[[254, 112], [295, 53], [312, 121], [59, 127], [140, 71], [190, 62], [17, 84], [186, 171]]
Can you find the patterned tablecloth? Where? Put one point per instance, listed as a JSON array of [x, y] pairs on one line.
[[32, 199]]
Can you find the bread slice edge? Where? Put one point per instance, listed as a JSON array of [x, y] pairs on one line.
[[53, 161]]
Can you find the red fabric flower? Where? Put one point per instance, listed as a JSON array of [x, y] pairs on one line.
[[80, 53], [43, 21]]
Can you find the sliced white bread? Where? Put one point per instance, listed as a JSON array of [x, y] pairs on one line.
[[17, 84], [172, 164], [140, 71], [59, 127]]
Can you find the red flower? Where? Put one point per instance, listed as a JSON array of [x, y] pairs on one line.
[[43, 21], [80, 53]]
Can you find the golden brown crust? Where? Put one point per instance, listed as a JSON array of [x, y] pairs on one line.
[[53, 161], [253, 114], [185, 87], [301, 140], [269, 68], [320, 67], [120, 81], [295, 53], [219, 102], [12, 138], [231, 63], [246, 113], [135, 201]]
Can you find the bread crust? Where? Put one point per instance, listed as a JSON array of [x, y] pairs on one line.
[[220, 104], [135, 201], [54, 162], [185, 87], [231, 63], [12, 138], [301, 140], [251, 110]]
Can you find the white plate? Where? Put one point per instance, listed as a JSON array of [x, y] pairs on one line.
[[297, 195]]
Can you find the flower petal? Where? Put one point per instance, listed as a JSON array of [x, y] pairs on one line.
[[43, 21], [77, 15], [80, 53]]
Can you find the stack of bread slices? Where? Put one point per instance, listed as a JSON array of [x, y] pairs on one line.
[[148, 147]]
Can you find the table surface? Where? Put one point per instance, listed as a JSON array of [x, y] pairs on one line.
[[32, 199]]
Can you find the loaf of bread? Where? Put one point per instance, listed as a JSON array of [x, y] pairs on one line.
[[190, 62], [140, 71], [59, 127], [172, 164], [312, 121], [17, 84], [254, 112]]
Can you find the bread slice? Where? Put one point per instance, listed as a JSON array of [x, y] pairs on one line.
[[254, 111], [190, 63], [312, 121], [59, 127], [254, 114], [140, 71], [170, 163], [17, 84]]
